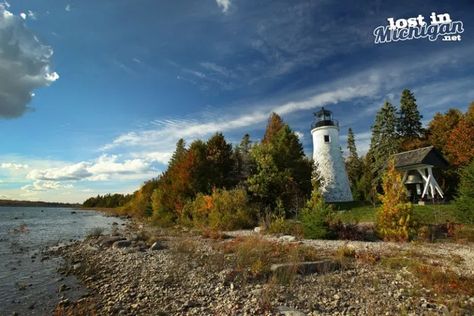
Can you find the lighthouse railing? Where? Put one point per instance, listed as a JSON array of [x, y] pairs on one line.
[[325, 123]]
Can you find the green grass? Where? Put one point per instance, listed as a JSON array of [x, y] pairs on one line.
[[423, 214]]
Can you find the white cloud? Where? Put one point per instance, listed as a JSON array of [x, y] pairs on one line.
[[13, 166], [25, 64], [99, 170], [224, 5], [31, 15], [23, 15], [167, 132], [300, 135], [76, 171], [45, 186], [68, 8]]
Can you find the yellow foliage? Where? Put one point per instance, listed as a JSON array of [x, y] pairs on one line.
[[394, 217]]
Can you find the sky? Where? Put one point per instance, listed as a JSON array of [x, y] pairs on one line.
[[95, 94]]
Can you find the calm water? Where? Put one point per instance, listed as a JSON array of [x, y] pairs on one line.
[[29, 280]]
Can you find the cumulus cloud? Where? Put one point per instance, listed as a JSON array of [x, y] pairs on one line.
[[13, 166], [224, 5], [99, 170], [39, 186], [25, 64]]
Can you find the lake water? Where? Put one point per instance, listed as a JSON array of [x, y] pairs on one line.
[[29, 280]]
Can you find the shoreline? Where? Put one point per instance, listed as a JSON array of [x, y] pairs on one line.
[[143, 270]]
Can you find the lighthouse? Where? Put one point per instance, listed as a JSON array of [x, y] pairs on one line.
[[328, 160]]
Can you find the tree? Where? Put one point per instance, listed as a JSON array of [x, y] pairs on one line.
[[274, 125], [353, 164], [394, 217], [384, 141], [283, 174], [465, 198], [316, 216], [179, 152], [244, 163], [439, 129], [460, 145], [409, 122], [220, 161]]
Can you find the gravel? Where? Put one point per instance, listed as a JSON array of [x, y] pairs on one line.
[[186, 275]]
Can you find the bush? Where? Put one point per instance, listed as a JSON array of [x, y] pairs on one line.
[[316, 217], [222, 210], [95, 232], [280, 225], [465, 199], [394, 217]]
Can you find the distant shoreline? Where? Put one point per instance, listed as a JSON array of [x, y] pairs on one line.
[[15, 203]]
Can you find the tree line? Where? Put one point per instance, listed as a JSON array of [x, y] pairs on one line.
[[214, 183], [398, 129]]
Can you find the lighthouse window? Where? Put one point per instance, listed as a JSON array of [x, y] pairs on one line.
[[327, 139]]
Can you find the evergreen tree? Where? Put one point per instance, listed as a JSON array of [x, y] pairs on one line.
[[409, 123], [283, 174], [384, 141], [220, 162], [244, 163], [179, 152], [274, 125], [353, 164]]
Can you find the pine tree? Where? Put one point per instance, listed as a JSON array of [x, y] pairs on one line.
[[282, 173], [409, 123], [220, 162], [353, 163], [244, 164], [384, 141], [179, 152]]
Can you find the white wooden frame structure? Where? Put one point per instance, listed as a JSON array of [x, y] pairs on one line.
[[430, 185]]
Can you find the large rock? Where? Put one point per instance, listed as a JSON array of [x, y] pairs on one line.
[[321, 267], [107, 241], [121, 244], [156, 246], [287, 311]]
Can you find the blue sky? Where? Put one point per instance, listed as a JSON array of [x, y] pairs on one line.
[[128, 78]]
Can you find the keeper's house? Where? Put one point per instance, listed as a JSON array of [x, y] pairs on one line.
[[417, 168]]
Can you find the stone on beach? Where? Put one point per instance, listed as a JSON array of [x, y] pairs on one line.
[[320, 267], [121, 244]]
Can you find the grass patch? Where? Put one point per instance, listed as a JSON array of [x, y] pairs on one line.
[[442, 281], [423, 214], [253, 256], [95, 232]]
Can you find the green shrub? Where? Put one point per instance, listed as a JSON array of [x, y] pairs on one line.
[[280, 225], [465, 199], [222, 210], [316, 217]]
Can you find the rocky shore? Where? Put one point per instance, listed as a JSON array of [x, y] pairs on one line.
[[145, 271]]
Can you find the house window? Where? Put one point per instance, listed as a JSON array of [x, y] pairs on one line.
[[327, 139]]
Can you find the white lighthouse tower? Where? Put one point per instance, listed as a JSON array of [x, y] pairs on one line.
[[327, 156]]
